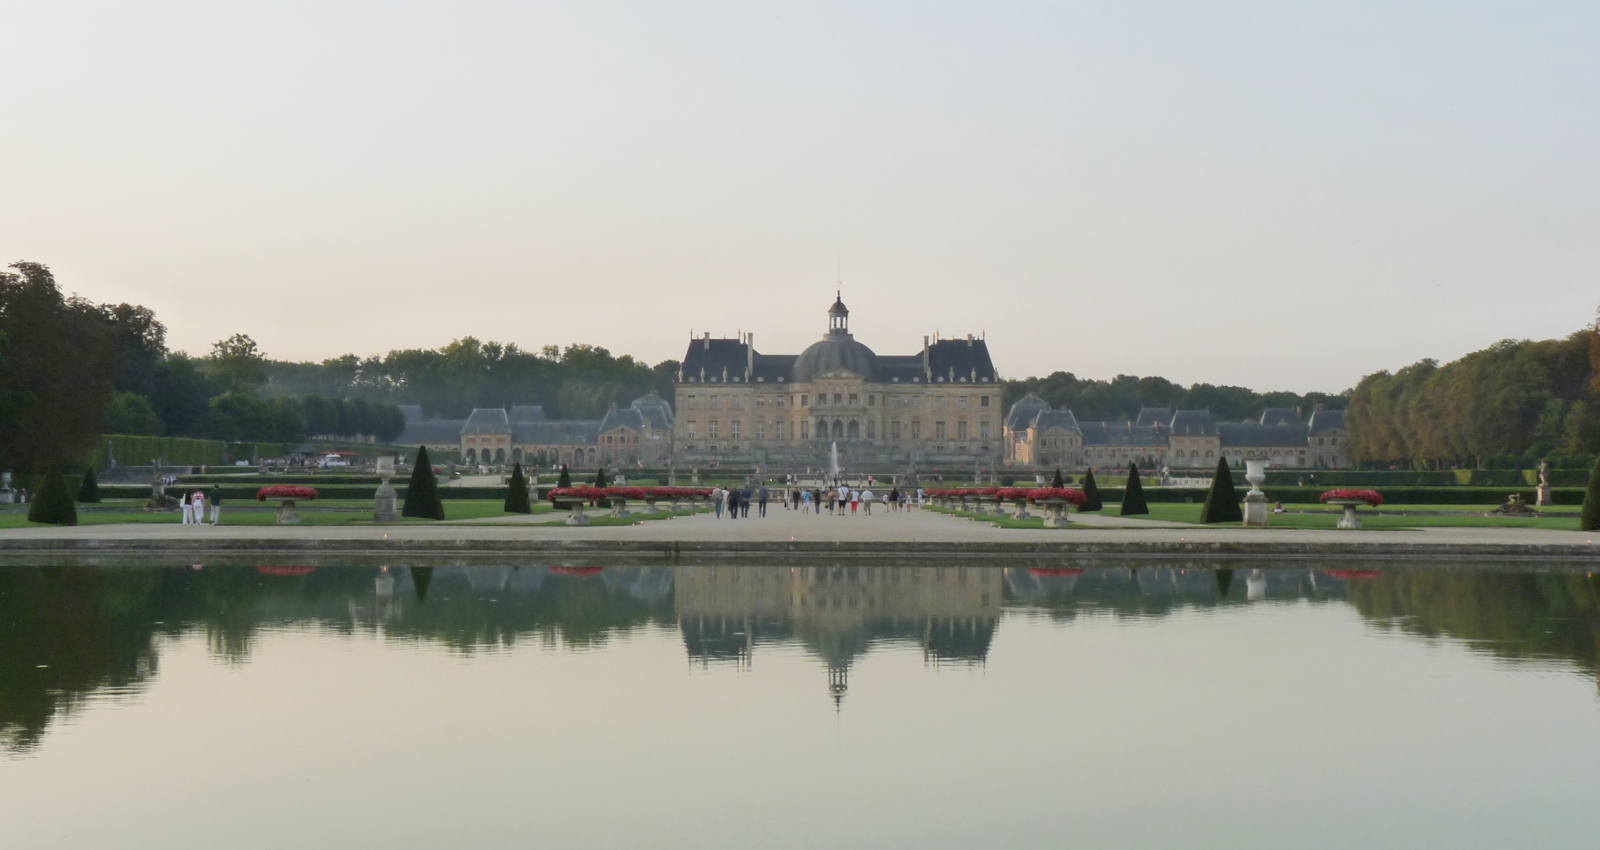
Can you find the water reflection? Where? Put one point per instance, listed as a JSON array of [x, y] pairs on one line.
[[70, 633]]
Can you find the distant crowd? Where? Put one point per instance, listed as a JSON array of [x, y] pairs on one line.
[[736, 502]]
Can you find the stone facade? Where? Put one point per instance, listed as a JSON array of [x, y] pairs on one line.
[[1037, 436], [783, 411], [639, 435]]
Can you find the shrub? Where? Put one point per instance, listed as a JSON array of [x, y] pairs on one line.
[[600, 479], [566, 477], [517, 493], [89, 490], [1590, 519], [1092, 492], [1222, 501], [1057, 482], [53, 503], [1133, 494], [1007, 481], [422, 494]]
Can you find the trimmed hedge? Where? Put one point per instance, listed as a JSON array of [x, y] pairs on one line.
[[1378, 479], [179, 451], [53, 503]]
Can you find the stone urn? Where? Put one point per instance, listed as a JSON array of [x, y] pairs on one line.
[[576, 504], [1351, 519], [1021, 511], [650, 506], [287, 515], [619, 507], [996, 507], [1255, 501], [1057, 509]]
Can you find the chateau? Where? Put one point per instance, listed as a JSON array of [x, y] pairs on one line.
[[738, 406], [640, 434]]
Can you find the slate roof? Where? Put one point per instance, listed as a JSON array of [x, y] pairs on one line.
[[487, 420], [902, 369], [527, 413], [710, 360], [432, 432], [1281, 416], [1193, 423], [1023, 410], [1056, 419], [1323, 421], [1154, 416], [961, 359], [1121, 434], [624, 418], [1251, 434], [657, 413], [560, 432], [772, 368]]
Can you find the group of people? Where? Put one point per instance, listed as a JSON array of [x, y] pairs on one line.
[[735, 502], [194, 506]]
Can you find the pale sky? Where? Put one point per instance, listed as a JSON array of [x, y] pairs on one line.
[[1279, 195]]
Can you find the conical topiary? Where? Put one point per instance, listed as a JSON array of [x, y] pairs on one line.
[[600, 478], [1133, 494], [53, 503], [1589, 520], [422, 494], [566, 477], [1222, 502], [517, 493], [1057, 482], [89, 490], [1091, 491]]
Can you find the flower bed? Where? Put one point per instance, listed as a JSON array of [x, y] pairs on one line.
[[1070, 495], [286, 492], [1371, 497]]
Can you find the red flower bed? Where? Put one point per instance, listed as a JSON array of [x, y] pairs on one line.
[[576, 571], [1013, 494], [1071, 495], [1054, 572], [286, 492], [582, 491], [285, 571], [1351, 575], [1371, 497]]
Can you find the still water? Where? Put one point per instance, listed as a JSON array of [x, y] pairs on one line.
[[711, 707]]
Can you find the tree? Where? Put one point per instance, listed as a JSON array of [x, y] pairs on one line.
[[1092, 492], [1222, 502], [1133, 494], [1058, 482], [600, 478], [422, 495], [131, 413], [89, 490], [236, 363], [59, 369], [1589, 520], [566, 477], [53, 504], [517, 493]]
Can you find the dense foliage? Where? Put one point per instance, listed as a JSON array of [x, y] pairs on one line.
[[580, 381], [1589, 520], [1121, 397], [1222, 501], [1092, 493], [1133, 494], [422, 494], [517, 493], [53, 502], [89, 488], [1514, 401]]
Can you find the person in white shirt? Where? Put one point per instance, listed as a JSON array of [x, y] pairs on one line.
[[188, 508], [199, 508], [866, 501]]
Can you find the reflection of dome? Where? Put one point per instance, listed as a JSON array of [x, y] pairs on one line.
[[835, 351]]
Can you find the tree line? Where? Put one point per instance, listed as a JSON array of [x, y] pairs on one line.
[[1122, 397], [1511, 404]]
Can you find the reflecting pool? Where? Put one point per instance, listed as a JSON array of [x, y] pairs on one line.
[[852, 706]]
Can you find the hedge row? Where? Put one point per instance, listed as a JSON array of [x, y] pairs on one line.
[[1379, 478], [267, 480], [178, 451], [1391, 495], [234, 492]]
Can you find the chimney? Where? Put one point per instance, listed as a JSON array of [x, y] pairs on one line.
[[749, 356], [708, 341]]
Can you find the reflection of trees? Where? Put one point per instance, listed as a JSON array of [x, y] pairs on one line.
[[1158, 591], [1511, 615]]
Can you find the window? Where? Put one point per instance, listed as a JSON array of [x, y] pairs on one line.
[[938, 402], [779, 429], [778, 401], [916, 402], [736, 402], [962, 402], [711, 429], [733, 429], [688, 401], [805, 430], [872, 400], [854, 399], [805, 401], [961, 430], [711, 402], [838, 398], [938, 430], [916, 429], [894, 429], [691, 428], [761, 429], [983, 430], [983, 401], [761, 401], [872, 429]]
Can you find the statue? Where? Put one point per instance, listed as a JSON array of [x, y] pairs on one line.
[[1543, 496], [1515, 506]]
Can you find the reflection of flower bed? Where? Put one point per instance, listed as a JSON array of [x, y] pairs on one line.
[[1055, 572], [286, 492], [1371, 497], [576, 571], [285, 571], [1351, 575]]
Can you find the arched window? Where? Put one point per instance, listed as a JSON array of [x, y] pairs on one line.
[[838, 429], [472, 455], [516, 455], [499, 455], [854, 430]]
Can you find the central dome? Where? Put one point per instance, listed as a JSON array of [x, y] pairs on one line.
[[835, 351]]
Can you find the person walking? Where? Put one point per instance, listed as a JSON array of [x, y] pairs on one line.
[[761, 500], [816, 500], [719, 497], [199, 507], [733, 503], [216, 504], [866, 501], [855, 501], [188, 507], [745, 496], [805, 501]]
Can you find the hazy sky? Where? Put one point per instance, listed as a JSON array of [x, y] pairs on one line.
[[1280, 195]]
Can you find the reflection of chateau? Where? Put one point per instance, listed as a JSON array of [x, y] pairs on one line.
[[838, 613]]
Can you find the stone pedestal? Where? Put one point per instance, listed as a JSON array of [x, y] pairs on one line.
[[577, 505], [1543, 496], [1255, 501], [1057, 517], [287, 515], [1022, 510], [7, 495], [1351, 519], [385, 507], [619, 508]]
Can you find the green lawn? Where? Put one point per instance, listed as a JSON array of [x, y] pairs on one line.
[[357, 512]]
